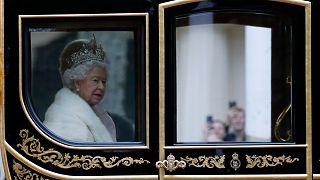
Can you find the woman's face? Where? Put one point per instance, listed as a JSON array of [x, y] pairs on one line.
[[237, 121], [216, 132], [92, 88]]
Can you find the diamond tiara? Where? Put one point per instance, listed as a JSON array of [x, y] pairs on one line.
[[88, 52]]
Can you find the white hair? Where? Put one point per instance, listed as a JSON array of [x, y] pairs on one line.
[[79, 73]]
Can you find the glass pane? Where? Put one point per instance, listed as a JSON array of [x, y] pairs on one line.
[[224, 82], [114, 103]]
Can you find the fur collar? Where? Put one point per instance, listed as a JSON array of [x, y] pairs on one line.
[[69, 104]]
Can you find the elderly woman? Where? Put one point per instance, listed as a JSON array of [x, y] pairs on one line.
[[75, 114]]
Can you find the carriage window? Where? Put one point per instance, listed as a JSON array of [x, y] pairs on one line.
[[224, 82], [84, 80]]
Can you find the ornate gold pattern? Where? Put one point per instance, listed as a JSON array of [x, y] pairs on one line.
[[277, 126], [21, 173], [235, 163], [268, 160], [32, 147], [281, 117], [205, 162], [171, 163]]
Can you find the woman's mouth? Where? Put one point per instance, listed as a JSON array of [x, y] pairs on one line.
[[98, 95]]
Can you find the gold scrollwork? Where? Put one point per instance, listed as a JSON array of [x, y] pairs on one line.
[[268, 160], [205, 162], [21, 173], [32, 147], [277, 126], [171, 163], [281, 118]]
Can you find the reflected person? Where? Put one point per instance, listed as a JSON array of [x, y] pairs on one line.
[[216, 131], [236, 120], [76, 114]]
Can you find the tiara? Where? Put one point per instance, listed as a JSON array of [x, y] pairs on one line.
[[88, 52]]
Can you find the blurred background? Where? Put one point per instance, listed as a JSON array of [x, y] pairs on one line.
[[219, 64]]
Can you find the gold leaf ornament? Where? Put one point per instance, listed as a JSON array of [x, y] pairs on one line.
[[268, 161], [32, 147], [205, 162], [21, 173], [235, 163]]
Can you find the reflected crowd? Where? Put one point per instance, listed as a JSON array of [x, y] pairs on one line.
[[232, 129]]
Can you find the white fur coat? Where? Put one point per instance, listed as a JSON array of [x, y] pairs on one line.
[[71, 118]]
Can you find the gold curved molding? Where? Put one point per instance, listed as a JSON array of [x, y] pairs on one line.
[[277, 126], [238, 177], [293, 2], [32, 147], [23, 173], [268, 160], [34, 167], [205, 162], [238, 146]]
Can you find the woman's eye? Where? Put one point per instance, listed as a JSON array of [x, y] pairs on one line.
[[96, 81]]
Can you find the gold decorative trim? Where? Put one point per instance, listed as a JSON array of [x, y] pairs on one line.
[[277, 126], [82, 15], [205, 162], [32, 147], [308, 144], [174, 3], [235, 163], [238, 146], [238, 177], [293, 2], [316, 176], [65, 16], [268, 160], [55, 175], [171, 163], [3, 155], [161, 89], [308, 88], [23, 173]]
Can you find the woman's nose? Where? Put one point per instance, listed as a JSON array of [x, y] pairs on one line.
[[101, 85]]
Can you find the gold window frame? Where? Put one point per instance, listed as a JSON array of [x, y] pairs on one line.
[[64, 16], [24, 167], [308, 118]]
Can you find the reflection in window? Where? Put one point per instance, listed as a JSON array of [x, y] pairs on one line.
[[223, 70]]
